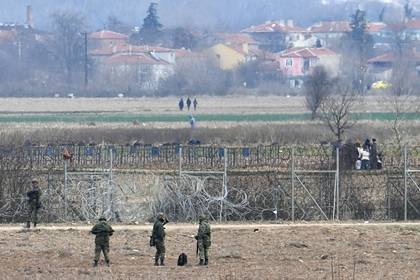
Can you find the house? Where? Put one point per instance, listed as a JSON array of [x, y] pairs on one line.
[[229, 57], [330, 32], [105, 39], [143, 70], [380, 67], [276, 35], [296, 63]]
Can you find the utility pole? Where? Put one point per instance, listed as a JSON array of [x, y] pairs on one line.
[[86, 59]]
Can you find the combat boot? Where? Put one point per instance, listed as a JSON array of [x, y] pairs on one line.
[[201, 262], [95, 264], [107, 263], [206, 261], [34, 225], [156, 262], [162, 261], [28, 224]]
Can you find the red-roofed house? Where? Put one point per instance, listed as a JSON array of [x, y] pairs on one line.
[[330, 32], [296, 63], [276, 35], [105, 39], [381, 66]]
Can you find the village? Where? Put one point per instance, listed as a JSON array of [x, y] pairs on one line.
[[278, 55]]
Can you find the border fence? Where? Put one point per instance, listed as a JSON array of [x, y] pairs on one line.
[[271, 182]]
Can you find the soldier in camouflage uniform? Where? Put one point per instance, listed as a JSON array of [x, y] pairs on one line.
[[158, 235], [203, 240], [34, 203], [103, 231]]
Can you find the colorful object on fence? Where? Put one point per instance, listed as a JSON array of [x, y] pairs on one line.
[[381, 85], [246, 152], [155, 151], [49, 151], [89, 151], [67, 154], [221, 152]]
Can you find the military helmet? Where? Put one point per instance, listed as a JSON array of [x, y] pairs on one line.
[[161, 216], [102, 218], [34, 180], [202, 218]]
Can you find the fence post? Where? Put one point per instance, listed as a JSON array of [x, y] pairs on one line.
[[293, 184], [180, 162], [338, 182], [405, 183], [224, 189], [65, 188], [110, 182]]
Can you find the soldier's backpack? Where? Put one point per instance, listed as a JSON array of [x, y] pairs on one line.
[[182, 259]]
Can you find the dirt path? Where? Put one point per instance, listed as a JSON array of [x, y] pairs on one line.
[[175, 227]]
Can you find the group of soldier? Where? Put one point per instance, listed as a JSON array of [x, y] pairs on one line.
[[103, 230]]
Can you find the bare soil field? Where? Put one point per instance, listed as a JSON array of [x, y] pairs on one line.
[[253, 251], [232, 104]]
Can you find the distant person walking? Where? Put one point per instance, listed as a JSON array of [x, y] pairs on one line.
[[195, 103], [192, 122], [34, 203], [181, 104], [188, 103]]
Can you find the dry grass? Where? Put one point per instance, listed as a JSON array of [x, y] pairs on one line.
[[327, 252]]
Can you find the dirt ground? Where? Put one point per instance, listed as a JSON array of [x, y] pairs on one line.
[[232, 104], [253, 251]]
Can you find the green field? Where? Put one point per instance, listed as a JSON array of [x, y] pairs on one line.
[[121, 117]]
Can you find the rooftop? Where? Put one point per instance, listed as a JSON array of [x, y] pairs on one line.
[[306, 52]]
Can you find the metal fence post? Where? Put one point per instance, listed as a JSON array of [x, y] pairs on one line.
[[405, 183], [338, 182], [224, 189], [110, 182], [293, 184], [180, 162], [65, 188]]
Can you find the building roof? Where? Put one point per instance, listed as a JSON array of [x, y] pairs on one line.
[[413, 24], [134, 59], [330, 27], [306, 52], [236, 38], [391, 57], [108, 35], [375, 27], [127, 48], [274, 26]]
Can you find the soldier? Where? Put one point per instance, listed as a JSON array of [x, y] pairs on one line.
[[103, 231], [34, 203], [158, 236], [181, 104], [203, 240], [195, 103]]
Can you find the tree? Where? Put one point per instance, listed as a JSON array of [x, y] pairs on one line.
[[116, 25], [317, 89], [337, 107], [183, 38], [151, 29], [359, 46], [68, 44]]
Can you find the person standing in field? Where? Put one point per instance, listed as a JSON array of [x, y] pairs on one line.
[[158, 236], [192, 122], [195, 103], [34, 203], [374, 155], [188, 103], [103, 231], [203, 240], [365, 158], [181, 104]]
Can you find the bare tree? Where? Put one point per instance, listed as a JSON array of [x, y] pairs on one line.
[[68, 44], [317, 89], [336, 109]]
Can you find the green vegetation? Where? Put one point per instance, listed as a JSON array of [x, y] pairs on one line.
[[121, 117]]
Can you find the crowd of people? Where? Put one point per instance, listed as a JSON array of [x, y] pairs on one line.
[[188, 103], [369, 157]]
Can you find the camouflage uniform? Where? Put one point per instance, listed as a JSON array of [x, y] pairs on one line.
[[204, 240], [34, 204], [158, 236], [103, 231]]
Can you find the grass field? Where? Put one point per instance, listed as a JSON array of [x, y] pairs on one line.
[[122, 117], [251, 251]]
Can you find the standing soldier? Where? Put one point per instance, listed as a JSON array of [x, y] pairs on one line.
[[181, 104], [34, 203], [188, 103], [195, 103], [103, 231], [203, 240], [158, 236]]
